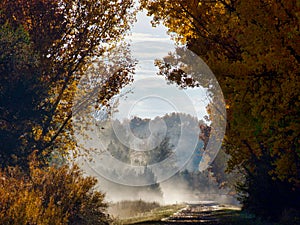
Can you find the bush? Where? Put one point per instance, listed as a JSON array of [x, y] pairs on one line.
[[50, 196], [126, 209]]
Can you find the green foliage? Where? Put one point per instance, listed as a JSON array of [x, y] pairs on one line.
[[50, 196]]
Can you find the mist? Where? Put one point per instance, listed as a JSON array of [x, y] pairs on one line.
[[186, 186], [156, 160]]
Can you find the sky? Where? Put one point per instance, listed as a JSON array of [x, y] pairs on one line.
[[150, 95]]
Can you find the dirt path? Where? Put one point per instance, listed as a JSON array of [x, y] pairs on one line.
[[195, 213], [205, 213]]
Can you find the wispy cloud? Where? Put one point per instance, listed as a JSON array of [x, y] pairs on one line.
[[147, 44], [142, 37]]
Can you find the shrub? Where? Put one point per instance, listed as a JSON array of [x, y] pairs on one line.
[[50, 196], [126, 208]]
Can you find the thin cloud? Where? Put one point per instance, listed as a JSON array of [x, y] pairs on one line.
[[142, 37]]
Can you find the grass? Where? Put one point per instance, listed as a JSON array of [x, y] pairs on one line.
[[142, 213], [224, 216], [154, 215]]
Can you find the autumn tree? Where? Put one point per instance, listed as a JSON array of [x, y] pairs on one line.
[[50, 195], [46, 47], [20, 93], [252, 48]]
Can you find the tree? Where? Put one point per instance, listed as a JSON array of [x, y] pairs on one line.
[[161, 152], [47, 47], [50, 45], [50, 196], [187, 70], [21, 92], [251, 48]]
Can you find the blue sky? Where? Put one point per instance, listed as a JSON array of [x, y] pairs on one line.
[[150, 95]]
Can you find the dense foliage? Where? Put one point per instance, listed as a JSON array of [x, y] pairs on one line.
[[50, 196], [46, 47], [252, 48], [21, 93]]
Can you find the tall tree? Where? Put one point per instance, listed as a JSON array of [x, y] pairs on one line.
[[252, 48], [49, 46], [21, 92]]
